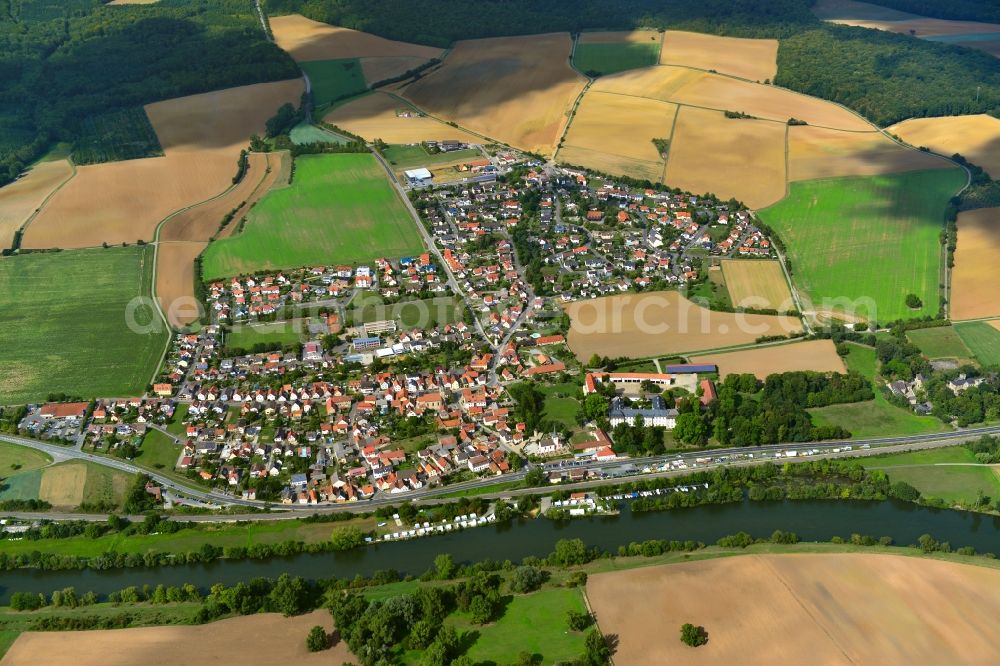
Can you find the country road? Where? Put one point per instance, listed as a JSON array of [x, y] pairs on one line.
[[859, 448]]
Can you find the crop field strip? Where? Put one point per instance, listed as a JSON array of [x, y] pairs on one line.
[[21, 200], [63, 318], [815, 355], [942, 342], [974, 293], [611, 52], [376, 116], [983, 339], [340, 208]]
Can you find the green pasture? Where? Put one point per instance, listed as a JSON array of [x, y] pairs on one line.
[[940, 342], [334, 79], [603, 59], [982, 339]]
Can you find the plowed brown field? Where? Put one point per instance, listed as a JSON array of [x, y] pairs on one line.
[[974, 292], [815, 152], [802, 609], [515, 89], [757, 284], [977, 137], [306, 39], [662, 323], [124, 201], [20, 199], [375, 116], [754, 59], [254, 639], [816, 355]]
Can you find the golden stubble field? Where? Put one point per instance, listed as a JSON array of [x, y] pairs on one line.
[[815, 355], [305, 39], [377, 115], [515, 89], [124, 201], [977, 137], [753, 59], [614, 134], [728, 157], [756, 283], [816, 152], [662, 323], [175, 280], [267, 638], [974, 292], [20, 199], [802, 609]]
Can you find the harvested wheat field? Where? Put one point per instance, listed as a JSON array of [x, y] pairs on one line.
[[175, 280], [977, 137], [759, 284], [20, 199], [380, 68], [305, 39], [816, 355], [660, 323], [619, 36], [614, 134], [253, 639], [753, 59], [514, 89], [802, 609], [728, 157], [62, 485], [379, 115], [816, 152], [683, 85], [974, 292], [124, 201]]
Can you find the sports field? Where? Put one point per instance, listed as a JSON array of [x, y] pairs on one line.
[[753, 59], [973, 279], [860, 245], [63, 324], [855, 608], [334, 79], [340, 208], [599, 53], [983, 339], [757, 284], [940, 342]]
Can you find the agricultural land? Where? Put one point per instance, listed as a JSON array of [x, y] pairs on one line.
[[816, 355], [662, 323], [973, 279], [869, 240], [940, 343], [751, 59], [63, 316], [334, 79], [20, 199], [379, 115], [818, 152], [983, 340], [951, 474], [339, 208], [599, 53], [757, 284], [201, 136], [977, 138], [817, 608], [514, 89]]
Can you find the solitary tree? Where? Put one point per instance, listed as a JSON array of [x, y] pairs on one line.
[[693, 635], [317, 639]]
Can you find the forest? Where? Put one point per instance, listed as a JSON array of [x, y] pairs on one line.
[[884, 76], [63, 62], [959, 10]]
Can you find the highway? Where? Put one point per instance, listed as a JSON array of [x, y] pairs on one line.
[[717, 457]]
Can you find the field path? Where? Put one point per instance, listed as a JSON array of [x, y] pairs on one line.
[[41, 207]]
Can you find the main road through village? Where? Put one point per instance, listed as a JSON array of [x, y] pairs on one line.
[[621, 469]]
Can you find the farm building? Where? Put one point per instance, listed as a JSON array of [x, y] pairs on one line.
[[418, 177]]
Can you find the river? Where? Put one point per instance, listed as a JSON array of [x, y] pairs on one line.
[[811, 520]]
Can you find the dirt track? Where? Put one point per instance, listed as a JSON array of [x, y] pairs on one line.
[[802, 609]]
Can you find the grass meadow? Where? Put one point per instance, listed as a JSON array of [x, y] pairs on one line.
[[872, 418], [940, 342], [63, 324], [245, 336], [340, 208], [413, 156], [951, 473], [870, 237], [334, 79], [982, 339], [608, 58]]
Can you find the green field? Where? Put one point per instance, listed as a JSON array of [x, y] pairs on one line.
[[125, 134], [14, 459], [306, 132], [947, 454], [600, 59], [940, 342], [415, 155], [862, 244], [561, 403], [334, 79], [63, 324], [340, 208], [158, 451], [104, 485], [411, 314], [245, 336], [982, 340], [950, 474], [872, 418]]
